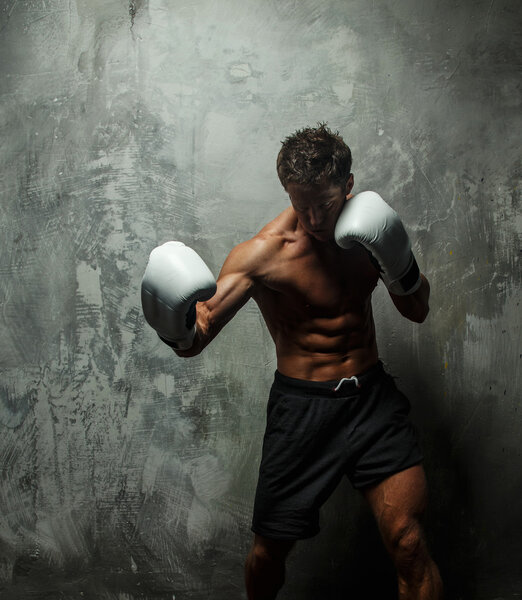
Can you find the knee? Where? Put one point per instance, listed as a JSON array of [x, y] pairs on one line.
[[265, 568], [261, 554], [407, 543], [269, 551]]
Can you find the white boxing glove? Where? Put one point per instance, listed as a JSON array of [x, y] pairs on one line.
[[174, 280], [368, 220]]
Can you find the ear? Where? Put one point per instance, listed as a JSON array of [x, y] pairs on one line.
[[349, 184]]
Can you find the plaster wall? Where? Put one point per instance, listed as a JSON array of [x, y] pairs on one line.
[[128, 473]]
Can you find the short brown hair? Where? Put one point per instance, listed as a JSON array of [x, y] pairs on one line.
[[311, 155]]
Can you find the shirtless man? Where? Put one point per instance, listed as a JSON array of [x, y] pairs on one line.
[[333, 410]]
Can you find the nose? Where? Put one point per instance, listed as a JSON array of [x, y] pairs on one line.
[[315, 216]]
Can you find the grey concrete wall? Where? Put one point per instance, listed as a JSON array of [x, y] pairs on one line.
[[127, 473]]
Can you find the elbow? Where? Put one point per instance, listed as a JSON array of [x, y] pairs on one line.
[[421, 315], [416, 312]]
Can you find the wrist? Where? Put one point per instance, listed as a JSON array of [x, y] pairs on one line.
[[407, 283], [184, 343]]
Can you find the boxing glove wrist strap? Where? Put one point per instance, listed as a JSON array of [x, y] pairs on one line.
[[408, 283]]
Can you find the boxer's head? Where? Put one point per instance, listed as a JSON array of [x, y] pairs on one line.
[[314, 168], [314, 156]]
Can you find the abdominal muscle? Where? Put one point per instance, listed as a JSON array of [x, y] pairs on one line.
[[316, 301], [319, 358], [320, 348]]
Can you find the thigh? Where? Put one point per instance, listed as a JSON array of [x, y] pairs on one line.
[[386, 440], [398, 501]]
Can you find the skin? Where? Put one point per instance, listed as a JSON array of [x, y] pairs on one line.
[[316, 301]]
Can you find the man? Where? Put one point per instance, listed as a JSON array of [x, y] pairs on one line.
[[333, 411]]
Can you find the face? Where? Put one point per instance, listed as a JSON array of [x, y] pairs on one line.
[[318, 206]]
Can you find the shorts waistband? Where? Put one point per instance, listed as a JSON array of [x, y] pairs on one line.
[[336, 387]]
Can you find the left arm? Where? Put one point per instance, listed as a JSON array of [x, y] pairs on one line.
[[414, 307], [368, 220]]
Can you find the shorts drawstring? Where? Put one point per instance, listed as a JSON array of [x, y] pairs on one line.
[[334, 388], [353, 378]]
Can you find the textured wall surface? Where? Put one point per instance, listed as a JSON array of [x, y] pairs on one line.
[[128, 473]]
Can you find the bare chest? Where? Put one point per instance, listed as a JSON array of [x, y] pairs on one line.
[[319, 278]]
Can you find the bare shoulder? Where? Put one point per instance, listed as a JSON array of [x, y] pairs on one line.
[[254, 255]]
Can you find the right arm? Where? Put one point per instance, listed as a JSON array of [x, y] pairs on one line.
[[235, 286]]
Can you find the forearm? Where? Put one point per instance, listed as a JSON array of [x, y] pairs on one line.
[[414, 307], [233, 291]]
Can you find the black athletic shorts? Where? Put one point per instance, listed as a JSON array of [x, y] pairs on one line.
[[315, 435]]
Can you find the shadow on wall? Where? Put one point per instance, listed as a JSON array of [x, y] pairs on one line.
[[348, 559], [134, 552]]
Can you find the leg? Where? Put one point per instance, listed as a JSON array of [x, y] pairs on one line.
[[398, 503], [265, 567]]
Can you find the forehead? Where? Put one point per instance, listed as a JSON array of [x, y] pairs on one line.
[[299, 192]]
